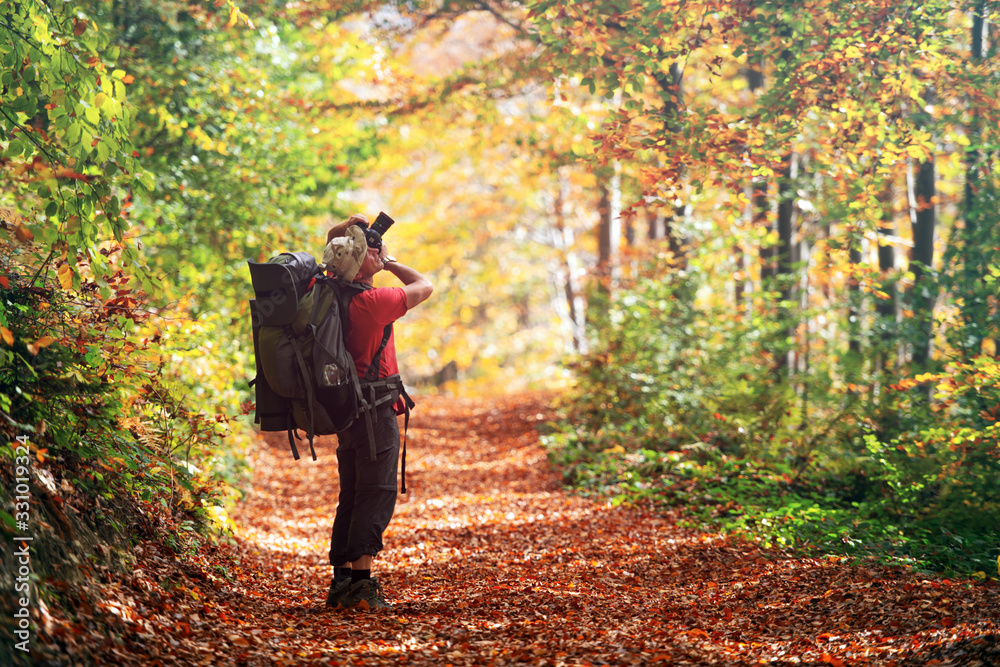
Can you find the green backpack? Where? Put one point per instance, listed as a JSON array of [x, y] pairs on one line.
[[306, 378]]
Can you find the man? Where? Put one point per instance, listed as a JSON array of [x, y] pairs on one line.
[[367, 488]]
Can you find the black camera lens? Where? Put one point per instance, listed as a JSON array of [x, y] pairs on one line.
[[374, 232], [382, 224], [373, 238]]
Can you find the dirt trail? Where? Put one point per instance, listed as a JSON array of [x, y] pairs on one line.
[[488, 561]]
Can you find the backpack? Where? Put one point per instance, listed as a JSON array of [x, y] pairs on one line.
[[306, 379]]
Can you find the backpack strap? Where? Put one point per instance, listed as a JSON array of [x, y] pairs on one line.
[[371, 383], [369, 409], [374, 367], [389, 388], [310, 399], [408, 405], [307, 381], [291, 441], [345, 292], [396, 389]]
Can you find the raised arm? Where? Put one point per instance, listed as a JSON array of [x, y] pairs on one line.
[[415, 285]]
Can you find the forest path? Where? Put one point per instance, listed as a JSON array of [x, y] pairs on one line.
[[489, 562]]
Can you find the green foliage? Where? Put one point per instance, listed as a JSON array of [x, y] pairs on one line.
[[972, 259], [68, 394], [244, 168], [943, 474], [678, 404], [66, 122], [671, 369], [876, 510], [55, 389]]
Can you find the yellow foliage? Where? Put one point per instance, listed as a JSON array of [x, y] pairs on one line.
[[65, 275]]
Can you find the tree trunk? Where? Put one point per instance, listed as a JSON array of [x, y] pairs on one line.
[[975, 301], [758, 197], [761, 208], [609, 230], [671, 92], [657, 225], [924, 290], [887, 308], [786, 225], [854, 302], [564, 241], [739, 279], [784, 253], [629, 224]]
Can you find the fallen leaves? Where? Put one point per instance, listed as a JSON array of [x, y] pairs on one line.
[[488, 561]]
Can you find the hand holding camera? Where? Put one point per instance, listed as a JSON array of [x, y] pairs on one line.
[[374, 232]]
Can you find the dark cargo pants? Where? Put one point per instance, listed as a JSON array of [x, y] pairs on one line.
[[367, 489]]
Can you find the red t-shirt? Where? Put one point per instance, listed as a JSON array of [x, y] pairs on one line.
[[370, 311]]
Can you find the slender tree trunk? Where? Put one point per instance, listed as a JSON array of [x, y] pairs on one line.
[[656, 225], [571, 267], [671, 93], [854, 301], [887, 309], [855, 305], [630, 234], [761, 208], [803, 361], [758, 196], [604, 235], [739, 279], [924, 217], [609, 230], [974, 302], [785, 249], [786, 224], [923, 294]]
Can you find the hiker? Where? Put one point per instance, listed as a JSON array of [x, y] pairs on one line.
[[367, 488]]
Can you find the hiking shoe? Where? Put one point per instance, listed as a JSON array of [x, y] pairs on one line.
[[365, 595], [338, 591]]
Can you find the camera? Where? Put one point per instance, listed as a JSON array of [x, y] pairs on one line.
[[373, 233]]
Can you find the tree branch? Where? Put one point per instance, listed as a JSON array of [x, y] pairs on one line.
[[483, 5], [28, 133]]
